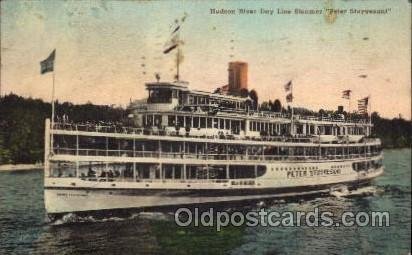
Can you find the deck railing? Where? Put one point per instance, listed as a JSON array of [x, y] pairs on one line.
[[200, 156], [153, 180], [268, 114], [280, 115], [119, 129]]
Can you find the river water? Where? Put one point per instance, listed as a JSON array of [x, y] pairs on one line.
[[23, 229]]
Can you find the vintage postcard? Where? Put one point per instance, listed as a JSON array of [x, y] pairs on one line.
[[205, 127]]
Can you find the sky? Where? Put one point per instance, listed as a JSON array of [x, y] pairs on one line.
[[107, 50]]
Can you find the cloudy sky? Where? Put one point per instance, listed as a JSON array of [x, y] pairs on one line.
[[107, 50]]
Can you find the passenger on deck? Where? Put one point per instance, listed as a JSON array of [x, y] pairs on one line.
[[103, 174], [91, 173]]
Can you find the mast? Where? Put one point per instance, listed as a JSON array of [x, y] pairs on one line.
[[370, 116], [292, 129], [52, 116], [174, 43], [178, 55]]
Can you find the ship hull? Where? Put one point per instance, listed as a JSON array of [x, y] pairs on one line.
[[60, 200]]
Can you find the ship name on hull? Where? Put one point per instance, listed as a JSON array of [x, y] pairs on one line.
[[310, 173]]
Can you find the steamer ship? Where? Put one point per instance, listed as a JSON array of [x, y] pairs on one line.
[[190, 147]]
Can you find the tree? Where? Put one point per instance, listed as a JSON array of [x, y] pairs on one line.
[[322, 112], [254, 96], [265, 106], [22, 124], [270, 105], [277, 106]]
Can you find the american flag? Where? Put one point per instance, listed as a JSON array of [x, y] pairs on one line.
[[289, 98], [47, 65], [363, 105], [288, 86], [346, 94]]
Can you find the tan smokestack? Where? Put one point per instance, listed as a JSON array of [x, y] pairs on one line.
[[237, 76]]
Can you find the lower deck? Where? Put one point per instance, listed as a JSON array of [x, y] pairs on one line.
[[83, 186], [206, 175]]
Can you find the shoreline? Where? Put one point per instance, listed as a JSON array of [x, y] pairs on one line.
[[20, 167]]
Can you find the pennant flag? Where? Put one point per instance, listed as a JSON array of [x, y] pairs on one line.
[[346, 94], [363, 105], [47, 65], [176, 29], [289, 98], [288, 86], [173, 42], [184, 17], [169, 49]]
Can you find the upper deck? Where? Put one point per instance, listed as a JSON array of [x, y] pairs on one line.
[[166, 96], [172, 107], [92, 152]]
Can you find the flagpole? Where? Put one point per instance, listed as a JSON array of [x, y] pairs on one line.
[[177, 63], [292, 131], [178, 56], [370, 115], [52, 117]]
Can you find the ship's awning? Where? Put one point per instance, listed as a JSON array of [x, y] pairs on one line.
[[179, 85]]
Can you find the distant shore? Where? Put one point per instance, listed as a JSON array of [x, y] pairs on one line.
[[20, 167]]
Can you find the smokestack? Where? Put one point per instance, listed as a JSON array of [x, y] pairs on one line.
[[237, 76]]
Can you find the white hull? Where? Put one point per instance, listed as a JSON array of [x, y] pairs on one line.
[[63, 195], [82, 200]]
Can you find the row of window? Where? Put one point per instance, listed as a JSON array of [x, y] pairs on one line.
[[257, 126], [165, 96], [205, 122], [296, 168], [128, 145], [301, 129], [153, 171]]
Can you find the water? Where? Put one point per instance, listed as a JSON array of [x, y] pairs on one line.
[[23, 229]]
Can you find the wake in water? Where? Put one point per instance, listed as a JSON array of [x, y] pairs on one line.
[[343, 191], [73, 218]]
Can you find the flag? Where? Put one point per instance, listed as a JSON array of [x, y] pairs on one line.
[[169, 49], [346, 94], [47, 65], [176, 29], [363, 105], [289, 98], [172, 43], [288, 86]]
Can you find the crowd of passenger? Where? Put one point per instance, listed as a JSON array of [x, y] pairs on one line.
[[107, 173], [92, 126], [119, 127]]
